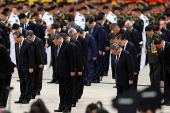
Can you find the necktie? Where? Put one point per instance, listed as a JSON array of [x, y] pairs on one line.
[[58, 50], [91, 30], [24, 26], [117, 60], [162, 50], [70, 26]]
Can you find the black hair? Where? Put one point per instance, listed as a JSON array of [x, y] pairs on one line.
[[40, 8], [90, 20], [111, 36], [101, 13], [19, 8], [17, 33], [99, 17], [157, 41], [35, 14], [3, 13], [33, 6], [22, 15], [79, 30], [148, 28], [156, 23], [136, 10], [84, 8], [71, 10], [15, 26], [70, 18], [105, 7], [56, 25], [121, 37], [6, 10], [64, 35], [26, 5]]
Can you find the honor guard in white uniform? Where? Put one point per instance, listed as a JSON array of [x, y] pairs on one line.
[[80, 20], [109, 15]]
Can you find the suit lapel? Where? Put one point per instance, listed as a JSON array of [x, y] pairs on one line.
[[94, 29], [120, 58], [22, 46]]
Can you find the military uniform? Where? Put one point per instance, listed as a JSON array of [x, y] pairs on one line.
[[151, 20], [43, 23], [139, 21], [29, 15], [153, 59], [120, 20], [80, 20], [111, 17], [157, 15], [60, 17]]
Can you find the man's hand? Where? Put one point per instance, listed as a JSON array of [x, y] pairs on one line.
[[17, 69], [94, 58], [100, 52], [115, 80], [130, 82], [103, 53], [8, 50], [72, 73], [146, 51], [40, 66], [46, 45], [30, 70], [12, 73], [107, 48], [135, 73], [79, 73]]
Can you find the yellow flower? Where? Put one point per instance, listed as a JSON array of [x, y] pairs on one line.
[[87, 31], [46, 37]]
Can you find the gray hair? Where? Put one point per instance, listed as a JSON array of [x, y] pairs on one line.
[[29, 33], [55, 36], [128, 23], [72, 31], [114, 47], [113, 26]]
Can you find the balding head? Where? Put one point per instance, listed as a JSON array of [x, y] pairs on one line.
[[50, 29], [163, 24]]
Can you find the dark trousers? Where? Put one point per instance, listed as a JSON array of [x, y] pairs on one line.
[[66, 87], [76, 89], [25, 85], [135, 82], [54, 75], [98, 65], [35, 81], [89, 72], [122, 89], [40, 76], [82, 81], [155, 73], [4, 83], [106, 62], [167, 86]]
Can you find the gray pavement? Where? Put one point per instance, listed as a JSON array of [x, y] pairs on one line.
[[103, 92]]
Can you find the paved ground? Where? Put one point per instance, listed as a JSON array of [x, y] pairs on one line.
[[103, 92]]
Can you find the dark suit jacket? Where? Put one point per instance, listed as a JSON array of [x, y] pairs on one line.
[[139, 29], [2, 41], [124, 70], [24, 32], [98, 34], [25, 58], [80, 49], [33, 27], [74, 25], [79, 65], [122, 31], [168, 25], [91, 44], [166, 32], [65, 62], [6, 39], [132, 50], [107, 27], [84, 46], [6, 66], [40, 45], [165, 58], [134, 35], [41, 30]]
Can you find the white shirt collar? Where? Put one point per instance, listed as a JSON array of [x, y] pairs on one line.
[[26, 13], [21, 43], [34, 38], [84, 35], [94, 25], [59, 30], [125, 45], [61, 43], [168, 21], [163, 46], [77, 37], [27, 22]]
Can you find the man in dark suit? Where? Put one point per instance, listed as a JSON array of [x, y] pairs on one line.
[[6, 70], [65, 67], [130, 47], [70, 23], [79, 69], [122, 69], [57, 27], [98, 33], [25, 66], [38, 62], [164, 53], [27, 24], [92, 56], [17, 27], [116, 29], [6, 39]]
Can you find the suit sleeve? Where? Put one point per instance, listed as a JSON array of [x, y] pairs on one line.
[[93, 45], [41, 51], [31, 55], [101, 35], [36, 30], [78, 59], [112, 66], [136, 41], [129, 63], [85, 49], [135, 59], [16, 55], [7, 59], [6, 39], [36, 54], [71, 58], [42, 33]]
